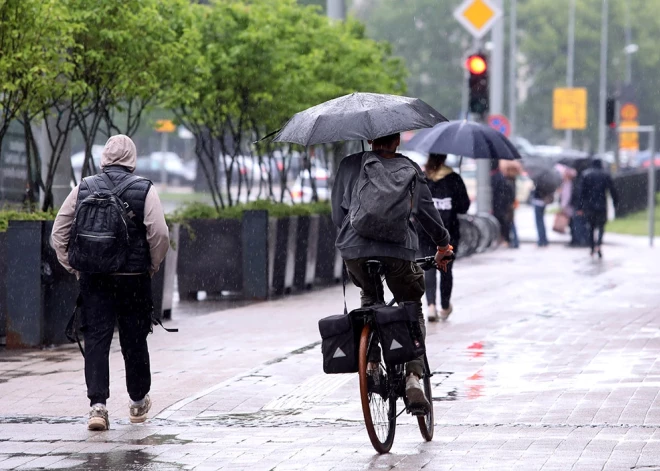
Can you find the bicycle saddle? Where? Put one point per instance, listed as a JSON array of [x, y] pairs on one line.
[[374, 267]]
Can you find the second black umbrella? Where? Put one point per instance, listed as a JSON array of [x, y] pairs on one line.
[[466, 139]]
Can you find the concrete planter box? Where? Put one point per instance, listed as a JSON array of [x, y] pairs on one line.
[[3, 289], [210, 257], [326, 255], [40, 293], [162, 284]]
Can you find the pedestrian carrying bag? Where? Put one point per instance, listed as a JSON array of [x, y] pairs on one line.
[[400, 334], [99, 241], [383, 198]]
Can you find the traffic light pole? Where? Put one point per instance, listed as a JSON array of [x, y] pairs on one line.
[[496, 106]]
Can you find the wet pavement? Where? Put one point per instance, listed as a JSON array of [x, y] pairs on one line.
[[548, 362]]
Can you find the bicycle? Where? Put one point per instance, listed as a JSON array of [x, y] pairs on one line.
[[379, 392]]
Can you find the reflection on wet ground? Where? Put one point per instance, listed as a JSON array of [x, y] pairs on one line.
[[124, 460]]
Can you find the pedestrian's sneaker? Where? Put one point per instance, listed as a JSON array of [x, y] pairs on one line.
[[444, 313], [433, 313], [138, 410], [417, 401], [98, 418]]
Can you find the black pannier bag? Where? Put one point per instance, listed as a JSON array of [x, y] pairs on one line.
[[400, 334], [340, 344]]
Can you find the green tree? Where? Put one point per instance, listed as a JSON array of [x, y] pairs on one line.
[[34, 37], [123, 56], [544, 46], [432, 42], [251, 65]]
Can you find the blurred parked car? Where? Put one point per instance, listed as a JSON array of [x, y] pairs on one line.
[[175, 171], [301, 191], [275, 165], [78, 159]]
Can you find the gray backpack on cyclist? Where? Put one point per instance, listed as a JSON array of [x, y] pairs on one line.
[[383, 198]]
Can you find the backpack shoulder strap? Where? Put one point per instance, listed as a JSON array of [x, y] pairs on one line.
[[128, 182], [420, 176], [92, 184]]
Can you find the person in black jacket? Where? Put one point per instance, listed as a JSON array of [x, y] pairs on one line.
[[504, 198], [596, 182], [450, 198]]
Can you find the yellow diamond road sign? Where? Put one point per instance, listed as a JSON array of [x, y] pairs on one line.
[[477, 16]]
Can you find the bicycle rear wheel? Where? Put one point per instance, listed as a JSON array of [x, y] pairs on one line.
[[425, 422], [378, 405]]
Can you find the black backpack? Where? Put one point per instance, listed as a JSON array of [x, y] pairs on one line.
[[383, 198], [99, 240]]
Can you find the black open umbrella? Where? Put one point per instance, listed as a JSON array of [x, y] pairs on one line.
[[466, 139], [543, 173], [358, 116]]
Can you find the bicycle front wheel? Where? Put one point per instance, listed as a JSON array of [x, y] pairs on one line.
[[378, 404], [425, 422]]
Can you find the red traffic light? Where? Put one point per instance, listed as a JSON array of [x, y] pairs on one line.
[[476, 64]]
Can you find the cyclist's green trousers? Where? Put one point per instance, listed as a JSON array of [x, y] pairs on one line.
[[406, 281]]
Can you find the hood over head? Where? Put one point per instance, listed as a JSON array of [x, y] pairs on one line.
[[119, 150]]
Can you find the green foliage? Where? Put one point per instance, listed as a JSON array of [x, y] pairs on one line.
[[249, 66], [278, 210], [433, 43], [34, 36], [14, 215]]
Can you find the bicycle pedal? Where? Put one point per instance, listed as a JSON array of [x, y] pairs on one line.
[[418, 411]]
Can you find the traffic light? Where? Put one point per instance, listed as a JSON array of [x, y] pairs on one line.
[[477, 66], [610, 112]]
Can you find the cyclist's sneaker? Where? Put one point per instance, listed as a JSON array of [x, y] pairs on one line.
[[98, 418], [444, 314], [417, 402], [138, 410], [433, 313]]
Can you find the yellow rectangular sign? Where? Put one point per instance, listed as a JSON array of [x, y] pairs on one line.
[[628, 140], [569, 108]]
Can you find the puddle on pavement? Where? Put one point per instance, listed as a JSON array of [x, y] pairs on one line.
[[24, 419], [6, 376], [153, 440], [124, 460]]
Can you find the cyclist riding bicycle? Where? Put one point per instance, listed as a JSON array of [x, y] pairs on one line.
[[374, 196]]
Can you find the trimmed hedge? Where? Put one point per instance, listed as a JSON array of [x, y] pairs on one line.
[[197, 210]]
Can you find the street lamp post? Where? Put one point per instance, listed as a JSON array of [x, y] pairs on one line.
[[336, 9], [603, 79], [570, 61]]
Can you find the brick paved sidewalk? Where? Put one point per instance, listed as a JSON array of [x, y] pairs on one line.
[[549, 362]]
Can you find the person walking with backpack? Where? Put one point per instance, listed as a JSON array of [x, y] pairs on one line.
[[373, 198], [450, 198], [593, 196], [111, 233]]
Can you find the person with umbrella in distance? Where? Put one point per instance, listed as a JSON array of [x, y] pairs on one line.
[[593, 196], [470, 139], [450, 198]]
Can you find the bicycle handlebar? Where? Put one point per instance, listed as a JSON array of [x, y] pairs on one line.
[[428, 263]]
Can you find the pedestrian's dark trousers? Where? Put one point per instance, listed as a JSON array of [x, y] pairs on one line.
[[446, 283], [596, 221], [125, 301], [404, 278], [505, 226]]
